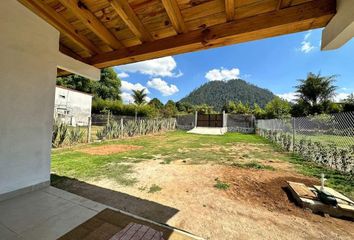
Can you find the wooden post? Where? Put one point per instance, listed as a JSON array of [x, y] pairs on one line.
[[108, 113], [89, 130], [294, 132], [122, 127]]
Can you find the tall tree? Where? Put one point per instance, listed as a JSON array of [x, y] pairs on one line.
[[139, 96], [278, 108], [170, 109], [108, 87], [156, 103], [348, 105], [316, 92]]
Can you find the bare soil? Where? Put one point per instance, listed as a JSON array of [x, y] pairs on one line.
[[256, 206], [109, 149]]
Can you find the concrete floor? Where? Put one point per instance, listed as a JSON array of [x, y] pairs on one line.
[[44, 214], [208, 130]]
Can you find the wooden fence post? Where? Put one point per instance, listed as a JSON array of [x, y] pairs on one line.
[[122, 127], [294, 132], [89, 130]]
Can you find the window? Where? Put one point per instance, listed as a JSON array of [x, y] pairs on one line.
[[62, 96]]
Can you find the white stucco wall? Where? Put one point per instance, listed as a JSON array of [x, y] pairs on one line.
[[28, 48], [76, 103]]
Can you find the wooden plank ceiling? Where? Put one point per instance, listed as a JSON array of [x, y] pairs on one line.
[[113, 32]]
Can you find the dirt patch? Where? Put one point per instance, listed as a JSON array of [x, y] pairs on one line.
[[110, 149], [254, 207]]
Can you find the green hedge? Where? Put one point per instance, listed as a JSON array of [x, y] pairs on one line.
[[118, 108]]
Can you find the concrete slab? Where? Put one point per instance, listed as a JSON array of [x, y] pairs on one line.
[[7, 234], [208, 130], [44, 214]]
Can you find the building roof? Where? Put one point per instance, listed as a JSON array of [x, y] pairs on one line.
[[73, 90], [112, 32]]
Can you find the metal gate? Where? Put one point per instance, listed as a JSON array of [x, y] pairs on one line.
[[210, 120]]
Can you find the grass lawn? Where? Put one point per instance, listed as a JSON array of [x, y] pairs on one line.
[[217, 187], [187, 149], [340, 141]]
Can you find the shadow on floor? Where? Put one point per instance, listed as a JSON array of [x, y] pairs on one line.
[[137, 206]]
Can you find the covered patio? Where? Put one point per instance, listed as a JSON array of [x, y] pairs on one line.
[[42, 39]]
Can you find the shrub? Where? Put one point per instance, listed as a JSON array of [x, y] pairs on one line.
[[221, 185], [328, 155], [75, 135]]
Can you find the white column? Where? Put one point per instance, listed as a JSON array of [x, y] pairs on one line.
[[29, 47], [341, 28]]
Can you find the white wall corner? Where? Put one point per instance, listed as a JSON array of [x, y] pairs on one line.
[[72, 65], [341, 27]]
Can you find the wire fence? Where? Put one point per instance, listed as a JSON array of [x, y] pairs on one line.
[[107, 127], [327, 139]]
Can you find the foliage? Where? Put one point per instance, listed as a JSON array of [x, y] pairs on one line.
[[329, 155], [154, 188], [204, 108], [59, 134], [169, 110], [277, 108], [238, 108], [108, 87], [221, 185], [185, 107], [75, 135], [130, 128], [156, 103], [217, 93], [348, 105], [139, 96], [253, 165], [315, 93], [118, 108], [258, 112]]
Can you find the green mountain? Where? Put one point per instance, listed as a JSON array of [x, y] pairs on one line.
[[217, 93]]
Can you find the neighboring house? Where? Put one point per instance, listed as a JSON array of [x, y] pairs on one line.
[[72, 107]]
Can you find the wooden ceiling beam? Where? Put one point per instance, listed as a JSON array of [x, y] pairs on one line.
[[81, 11], [175, 16], [298, 18], [64, 49], [129, 17], [60, 23], [230, 10]]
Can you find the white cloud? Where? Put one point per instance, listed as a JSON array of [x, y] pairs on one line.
[[222, 74], [127, 97], [128, 86], [164, 67], [290, 96], [340, 97], [123, 75], [306, 45], [162, 86]]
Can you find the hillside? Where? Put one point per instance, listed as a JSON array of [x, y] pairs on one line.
[[217, 93]]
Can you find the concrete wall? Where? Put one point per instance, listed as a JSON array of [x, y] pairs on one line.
[[29, 48], [77, 104]]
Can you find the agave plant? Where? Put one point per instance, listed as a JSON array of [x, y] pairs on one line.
[[75, 135]]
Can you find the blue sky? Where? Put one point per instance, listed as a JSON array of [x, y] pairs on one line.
[[274, 63]]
